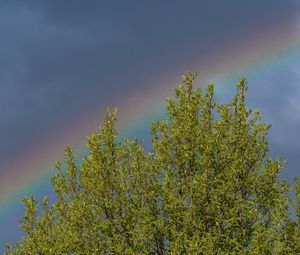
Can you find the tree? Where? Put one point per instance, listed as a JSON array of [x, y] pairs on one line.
[[207, 187]]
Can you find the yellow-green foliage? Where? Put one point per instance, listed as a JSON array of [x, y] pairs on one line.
[[208, 187]]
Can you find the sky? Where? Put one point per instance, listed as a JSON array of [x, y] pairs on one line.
[[64, 62]]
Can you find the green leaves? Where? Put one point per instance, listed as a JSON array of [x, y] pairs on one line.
[[207, 187]]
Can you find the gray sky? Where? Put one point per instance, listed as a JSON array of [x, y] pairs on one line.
[[62, 59]]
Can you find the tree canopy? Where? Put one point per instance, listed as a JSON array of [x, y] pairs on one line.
[[208, 186]]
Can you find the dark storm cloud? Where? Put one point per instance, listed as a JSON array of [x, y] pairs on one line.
[[278, 96], [58, 58]]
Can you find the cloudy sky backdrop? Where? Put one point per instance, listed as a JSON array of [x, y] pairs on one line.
[[63, 62]]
